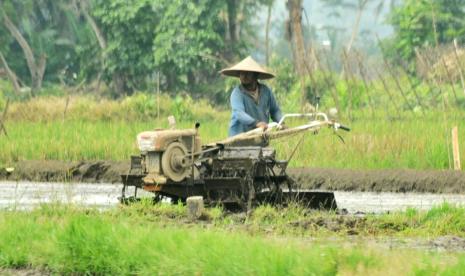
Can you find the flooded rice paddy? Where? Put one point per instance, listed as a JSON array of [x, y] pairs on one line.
[[27, 195]]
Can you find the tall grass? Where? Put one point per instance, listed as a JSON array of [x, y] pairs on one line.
[[442, 220], [402, 144], [80, 242], [107, 130], [70, 240]]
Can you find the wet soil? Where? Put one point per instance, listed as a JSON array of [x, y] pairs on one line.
[[403, 180], [60, 171], [23, 272]]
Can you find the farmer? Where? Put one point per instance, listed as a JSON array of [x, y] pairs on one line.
[[252, 102]]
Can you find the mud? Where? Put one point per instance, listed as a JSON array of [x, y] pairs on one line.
[[59, 171], [430, 181], [349, 227], [399, 181], [450, 244], [23, 272]]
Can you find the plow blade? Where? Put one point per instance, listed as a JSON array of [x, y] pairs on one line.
[[313, 199]]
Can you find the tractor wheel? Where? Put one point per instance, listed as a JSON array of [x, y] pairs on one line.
[[173, 162]]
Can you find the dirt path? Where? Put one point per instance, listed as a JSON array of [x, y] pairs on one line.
[[312, 178]]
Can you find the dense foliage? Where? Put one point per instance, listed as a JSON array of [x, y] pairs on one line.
[[52, 32], [419, 23], [172, 37], [126, 43]]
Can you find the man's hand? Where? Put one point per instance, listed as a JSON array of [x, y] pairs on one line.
[[282, 127], [262, 125]]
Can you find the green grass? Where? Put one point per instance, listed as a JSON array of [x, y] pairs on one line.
[[442, 220], [106, 130], [403, 144], [147, 240]]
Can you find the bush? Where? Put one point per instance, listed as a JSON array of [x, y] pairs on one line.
[[140, 107], [181, 107]]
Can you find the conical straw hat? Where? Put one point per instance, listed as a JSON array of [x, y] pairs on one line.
[[249, 65]]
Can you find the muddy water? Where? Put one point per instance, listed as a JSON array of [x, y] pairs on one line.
[[370, 202], [27, 195]]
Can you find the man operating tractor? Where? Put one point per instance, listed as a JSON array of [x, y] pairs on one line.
[[239, 172], [252, 102]]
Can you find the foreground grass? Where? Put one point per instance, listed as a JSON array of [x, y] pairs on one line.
[[149, 240], [442, 220]]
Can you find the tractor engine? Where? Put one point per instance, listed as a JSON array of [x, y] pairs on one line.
[[166, 154]]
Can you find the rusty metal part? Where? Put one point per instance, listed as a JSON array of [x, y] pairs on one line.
[[159, 140]]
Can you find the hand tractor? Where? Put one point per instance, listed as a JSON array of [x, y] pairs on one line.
[[238, 173]]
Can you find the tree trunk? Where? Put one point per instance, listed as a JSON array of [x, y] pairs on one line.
[[11, 74], [83, 8], [98, 33], [267, 35], [295, 16], [361, 7], [297, 42], [231, 35], [120, 84], [36, 70], [40, 72], [232, 20]]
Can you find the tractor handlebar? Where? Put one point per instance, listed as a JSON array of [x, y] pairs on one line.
[[343, 127], [340, 126], [314, 117], [317, 120]]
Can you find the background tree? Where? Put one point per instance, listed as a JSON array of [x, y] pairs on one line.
[[413, 26], [296, 39], [41, 40], [188, 42], [128, 31]]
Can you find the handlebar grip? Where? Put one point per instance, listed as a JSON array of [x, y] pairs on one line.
[[343, 127]]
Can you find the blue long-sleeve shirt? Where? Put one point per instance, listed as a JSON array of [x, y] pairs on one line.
[[246, 113]]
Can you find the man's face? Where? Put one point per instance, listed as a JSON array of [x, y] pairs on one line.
[[247, 77]]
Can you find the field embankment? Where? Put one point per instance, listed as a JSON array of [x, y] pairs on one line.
[[388, 180]]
